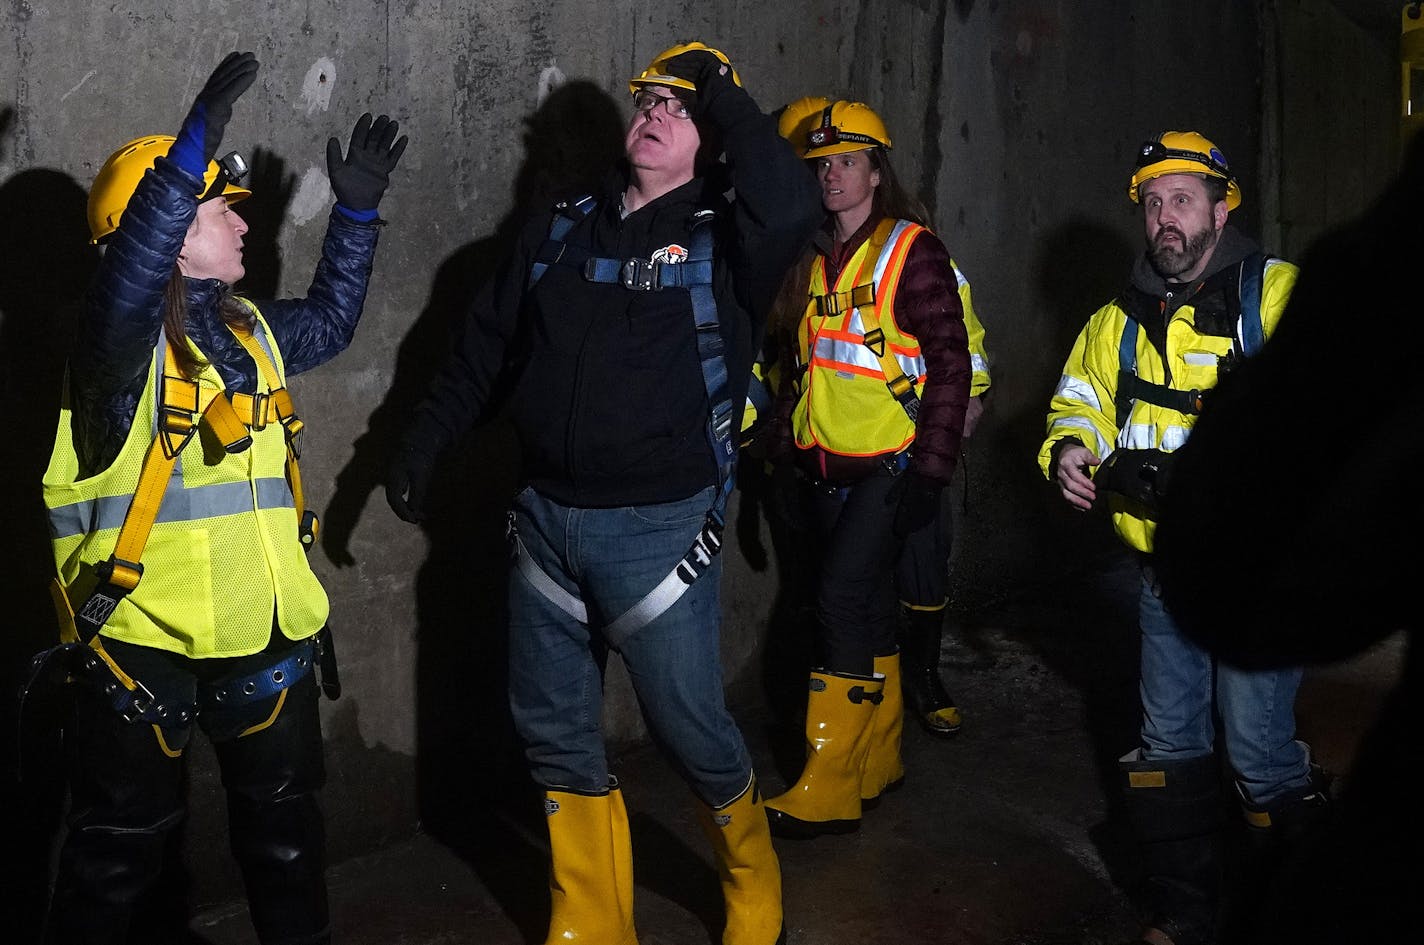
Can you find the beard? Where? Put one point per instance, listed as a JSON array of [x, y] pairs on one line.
[[1173, 260]]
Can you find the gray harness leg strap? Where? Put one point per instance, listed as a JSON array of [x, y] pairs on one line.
[[653, 604], [541, 582]]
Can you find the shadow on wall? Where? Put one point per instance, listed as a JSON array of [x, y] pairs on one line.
[[272, 187], [45, 262], [1067, 569], [474, 792]]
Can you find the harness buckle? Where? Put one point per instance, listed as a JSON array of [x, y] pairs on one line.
[[902, 387], [639, 274], [139, 702], [875, 341], [259, 410]]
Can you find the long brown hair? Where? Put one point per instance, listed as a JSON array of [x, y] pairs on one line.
[[175, 321], [891, 198]]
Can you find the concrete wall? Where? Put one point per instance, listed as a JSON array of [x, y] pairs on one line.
[[1017, 120]]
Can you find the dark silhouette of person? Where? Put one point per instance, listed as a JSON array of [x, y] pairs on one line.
[[1289, 537]]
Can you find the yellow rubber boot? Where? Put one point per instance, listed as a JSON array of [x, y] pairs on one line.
[[590, 869], [826, 798], [747, 864], [884, 766]]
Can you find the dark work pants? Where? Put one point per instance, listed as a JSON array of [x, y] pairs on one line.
[[856, 600], [126, 790]]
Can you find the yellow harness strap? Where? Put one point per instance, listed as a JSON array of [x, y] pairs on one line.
[[274, 405], [862, 295]]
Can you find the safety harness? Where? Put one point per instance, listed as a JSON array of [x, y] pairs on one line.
[[693, 274], [1248, 339], [862, 297], [184, 406]]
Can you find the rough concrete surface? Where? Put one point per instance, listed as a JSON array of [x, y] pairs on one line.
[[1017, 120]]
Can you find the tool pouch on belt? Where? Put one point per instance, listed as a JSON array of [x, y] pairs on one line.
[[1139, 475]]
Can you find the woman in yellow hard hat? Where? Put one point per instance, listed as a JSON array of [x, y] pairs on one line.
[[178, 526], [872, 413]]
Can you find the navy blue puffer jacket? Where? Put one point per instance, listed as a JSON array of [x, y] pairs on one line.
[[123, 313]]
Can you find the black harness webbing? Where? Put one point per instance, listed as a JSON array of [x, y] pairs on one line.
[[1131, 388], [694, 275]]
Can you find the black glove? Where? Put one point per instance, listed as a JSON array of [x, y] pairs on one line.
[[918, 503], [786, 497], [1140, 475], [360, 178], [407, 482], [709, 74], [202, 130]]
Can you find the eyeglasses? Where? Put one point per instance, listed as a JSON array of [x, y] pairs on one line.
[[1154, 152], [645, 101]]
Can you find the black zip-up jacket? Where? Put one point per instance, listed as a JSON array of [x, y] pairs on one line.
[[609, 401]]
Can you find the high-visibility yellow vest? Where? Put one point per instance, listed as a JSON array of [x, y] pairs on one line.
[[224, 550], [845, 406]]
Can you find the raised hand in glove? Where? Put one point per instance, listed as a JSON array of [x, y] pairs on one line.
[[361, 177], [202, 130], [408, 481], [918, 503], [704, 70]]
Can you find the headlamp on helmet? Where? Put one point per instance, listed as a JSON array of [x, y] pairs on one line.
[[117, 180], [845, 127], [1182, 152]]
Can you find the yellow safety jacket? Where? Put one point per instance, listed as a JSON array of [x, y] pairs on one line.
[[224, 550], [978, 358], [844, 405], [1084, 404]]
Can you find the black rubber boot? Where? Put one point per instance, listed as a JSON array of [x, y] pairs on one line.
[[1275, 836], [1175, 809], [125, 801], [925, 696], [275, 824]]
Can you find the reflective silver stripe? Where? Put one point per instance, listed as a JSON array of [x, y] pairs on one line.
[[1138, 436], [1199, 358], [979, 363], [1078, 423], [546, 585], [1174, 438], [836, 351], [179, 505], [1078, 391], [958, 276], [274, 492], [888, 250], [1143, 436]]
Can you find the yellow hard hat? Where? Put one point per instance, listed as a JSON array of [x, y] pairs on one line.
[[1183, 152], [844, 127], [657, 74], [798, 118], [118, 179]]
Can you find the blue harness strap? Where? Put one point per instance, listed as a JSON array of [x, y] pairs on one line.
[[1253, 274], [570, 213], [694, 274], [1251, 339]]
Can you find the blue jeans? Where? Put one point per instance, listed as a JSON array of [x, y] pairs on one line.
[[1257, 708], [611, 558]]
